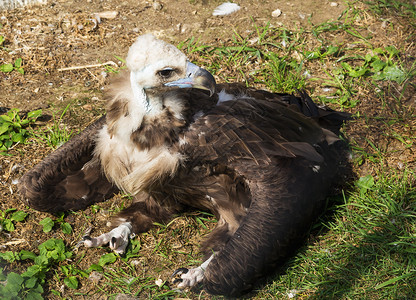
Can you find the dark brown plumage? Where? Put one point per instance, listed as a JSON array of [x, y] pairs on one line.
[[263, 163]]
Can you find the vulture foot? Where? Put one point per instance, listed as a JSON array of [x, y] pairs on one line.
[[118, 238], [190, 277]]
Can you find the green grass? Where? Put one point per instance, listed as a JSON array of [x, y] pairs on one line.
[[365, 251], [57, 134]]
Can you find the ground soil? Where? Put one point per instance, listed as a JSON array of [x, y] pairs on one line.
[[65, 33]]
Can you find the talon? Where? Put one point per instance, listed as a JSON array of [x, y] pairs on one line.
[[176, 275], [85, 237], [113, 243], [177, 280], [179, 271], [86, 240], [189, 278]]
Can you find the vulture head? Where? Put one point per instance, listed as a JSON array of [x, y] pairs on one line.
[[156, 66]]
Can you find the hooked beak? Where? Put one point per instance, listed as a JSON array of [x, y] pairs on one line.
[[196, 77]]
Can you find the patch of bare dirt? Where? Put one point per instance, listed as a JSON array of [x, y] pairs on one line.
[[64, 34]]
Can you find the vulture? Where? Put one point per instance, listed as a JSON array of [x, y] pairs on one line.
[[263, 163]]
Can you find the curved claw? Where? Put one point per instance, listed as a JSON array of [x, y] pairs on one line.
[[179, 271], [85, 237], [176, 275], [189, 278]]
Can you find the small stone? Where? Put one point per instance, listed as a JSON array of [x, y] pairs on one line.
[[254, 40], [157, 5], [109, 14], [87, 107], [276, 13], [95, 277], [159, 282], [226, 9], [333, 4]]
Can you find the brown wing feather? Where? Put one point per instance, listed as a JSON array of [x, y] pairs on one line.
[[279, 145], [68, 179], [254, 129]]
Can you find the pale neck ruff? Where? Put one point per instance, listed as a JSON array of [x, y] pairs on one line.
[[141, 100]]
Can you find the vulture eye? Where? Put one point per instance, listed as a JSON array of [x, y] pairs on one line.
[[166, 73]]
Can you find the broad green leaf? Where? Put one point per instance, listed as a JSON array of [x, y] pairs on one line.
[[8, 225], [31, 282], [6, 118], [34, 295], [18, 216], [108, 258], [47, 224], [358, 72], [378, 65], [6, 68], [13, 286], [346, 66], [24, 254], [18, 63], [365, 183], [18, 138], [5, 127], [394, 73], [17, 124], [95, 267], [368, 57], [34, 114], [41, 260], [8, 256], [55, 249], [9, 210], [14, 279], [71, 282], [66, 228], [8, 144], [13, 113]]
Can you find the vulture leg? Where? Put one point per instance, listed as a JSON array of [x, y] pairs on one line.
[[137, 218], [118, 239], [191, 277]]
